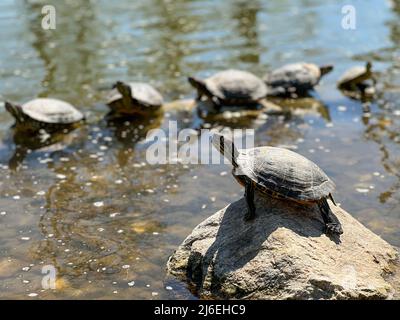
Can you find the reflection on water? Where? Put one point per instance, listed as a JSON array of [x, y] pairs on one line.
[[88, 202]]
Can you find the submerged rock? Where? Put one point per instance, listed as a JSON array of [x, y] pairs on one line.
[[284, 254]]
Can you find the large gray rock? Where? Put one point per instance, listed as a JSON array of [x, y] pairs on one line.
[[284, 254]]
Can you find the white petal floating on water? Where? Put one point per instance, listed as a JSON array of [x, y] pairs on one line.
[[131, 284], [32, 295], [98, 204], [168, 288], [41, 193], [25, 238], [362, 190], [3, 213], [61, 176]]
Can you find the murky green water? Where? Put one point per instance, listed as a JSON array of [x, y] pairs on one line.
[[91, 206]]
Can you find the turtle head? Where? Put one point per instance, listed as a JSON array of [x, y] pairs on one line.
[[326, 69], [123, 88], [226, 147], [368, 66], [200, 86], [15, 110]]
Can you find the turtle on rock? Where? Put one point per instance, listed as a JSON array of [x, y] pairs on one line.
[[282, 174], [295, 79], [44, 113], [230, 88], [354, 82], [135, 98]]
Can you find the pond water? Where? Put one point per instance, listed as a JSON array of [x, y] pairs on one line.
[[91, 205]]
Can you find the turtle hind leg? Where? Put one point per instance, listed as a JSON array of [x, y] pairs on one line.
[[249, 196], [332, 224]]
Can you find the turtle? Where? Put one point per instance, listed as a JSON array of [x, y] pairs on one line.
[[279, 173], [295, 78], [230, 88], [134, 98], [355, 78], [44, 113]]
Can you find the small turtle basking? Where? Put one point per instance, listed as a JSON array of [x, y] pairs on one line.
[[44, 113], [282, 174], [354, 78], [230, 88], [134, 98], [295, 79]]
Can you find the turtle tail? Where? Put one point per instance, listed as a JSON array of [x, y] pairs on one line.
[[16, 111], [226, 147]]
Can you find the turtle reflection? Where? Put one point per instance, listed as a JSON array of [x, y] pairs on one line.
[[385, 131], [303, 106], [39, 143], [128, 131]]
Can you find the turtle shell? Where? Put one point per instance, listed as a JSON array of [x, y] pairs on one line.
[[284, 172], [354, 74], [52, 111], [299, 76], [144, 93], [236, 85]]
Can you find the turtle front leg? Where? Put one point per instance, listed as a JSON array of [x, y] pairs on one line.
[[216, 103], [249, 195], [332, 224], [199, 95]]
